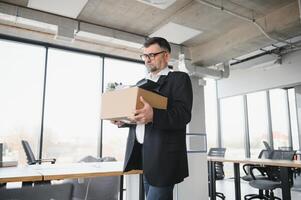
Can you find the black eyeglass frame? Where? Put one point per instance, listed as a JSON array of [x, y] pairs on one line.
[[150, 56]]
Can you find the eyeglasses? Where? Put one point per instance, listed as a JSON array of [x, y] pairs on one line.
[[150, 56]]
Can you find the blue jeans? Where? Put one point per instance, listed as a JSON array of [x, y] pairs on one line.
[[157, 193]]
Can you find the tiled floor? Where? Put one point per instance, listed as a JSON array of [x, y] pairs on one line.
[[226, 186]]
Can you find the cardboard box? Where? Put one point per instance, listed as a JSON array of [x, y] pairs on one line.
[[120, 104]]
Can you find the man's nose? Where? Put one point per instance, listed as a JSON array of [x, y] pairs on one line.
[[147, 60]]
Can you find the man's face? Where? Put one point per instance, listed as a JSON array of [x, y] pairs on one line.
[[157, 61]]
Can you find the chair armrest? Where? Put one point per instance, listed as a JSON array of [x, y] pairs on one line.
[[261, 169], [244, 167], [52, 160]]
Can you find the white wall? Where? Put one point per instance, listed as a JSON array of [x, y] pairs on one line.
[[257, 79]]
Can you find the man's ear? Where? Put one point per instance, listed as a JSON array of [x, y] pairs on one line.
[[167, 56]]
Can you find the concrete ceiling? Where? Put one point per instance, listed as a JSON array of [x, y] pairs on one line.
[[224, 36]]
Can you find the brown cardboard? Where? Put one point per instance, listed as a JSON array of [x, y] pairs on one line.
[[120, 104]]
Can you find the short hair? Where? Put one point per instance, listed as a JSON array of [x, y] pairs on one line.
[[158, 40]]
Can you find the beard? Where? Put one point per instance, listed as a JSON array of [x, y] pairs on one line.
[[151, 68]]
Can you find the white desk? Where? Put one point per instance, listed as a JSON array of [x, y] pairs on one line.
[[66, 171], [82, 170], [19, 174]]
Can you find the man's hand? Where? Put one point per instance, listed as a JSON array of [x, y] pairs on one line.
[[145, 114], [118, 123]]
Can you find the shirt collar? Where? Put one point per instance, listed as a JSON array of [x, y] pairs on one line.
[[156, 77]]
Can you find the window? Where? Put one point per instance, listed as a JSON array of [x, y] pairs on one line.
[[21, 87], [279, 113], [211, 112], [232, 126], [72, 107], [127, 73], [258, 121], [293, 117]]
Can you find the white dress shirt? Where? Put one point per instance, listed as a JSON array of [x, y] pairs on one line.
[[140, 128]]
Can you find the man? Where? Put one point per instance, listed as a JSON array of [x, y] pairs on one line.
[[157, 143]]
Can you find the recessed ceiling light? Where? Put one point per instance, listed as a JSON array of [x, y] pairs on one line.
[[102, 38], [37, 25], [162, 4], [68, 8], [176, 33]]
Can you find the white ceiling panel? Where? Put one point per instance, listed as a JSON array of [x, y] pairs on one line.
[[176, 33], [68, 8]]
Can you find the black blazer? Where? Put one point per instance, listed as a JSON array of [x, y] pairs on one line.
[[163, 155]]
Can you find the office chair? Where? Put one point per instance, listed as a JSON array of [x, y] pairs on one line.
[[104, 188], [285, 148], [267, 146], [219, 167], [273, 175], [41, 192], [264, 154], [31, 160]]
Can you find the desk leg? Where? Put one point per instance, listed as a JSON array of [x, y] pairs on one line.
[[285, 184], [121, 188], [212, 185], [141, 188], [237, 181]]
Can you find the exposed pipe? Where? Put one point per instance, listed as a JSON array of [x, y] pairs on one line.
[[185, 65], [243, 18], [217, 74]]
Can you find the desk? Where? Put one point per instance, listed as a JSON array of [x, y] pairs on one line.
[[284, 173], [65, 171], [19, 174], [81, 170]]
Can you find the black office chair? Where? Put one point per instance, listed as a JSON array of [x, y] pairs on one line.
[[267, 146], [31, 160], [264, 154], [273, 175], [219, 167], [41, 192], [284, 148]]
